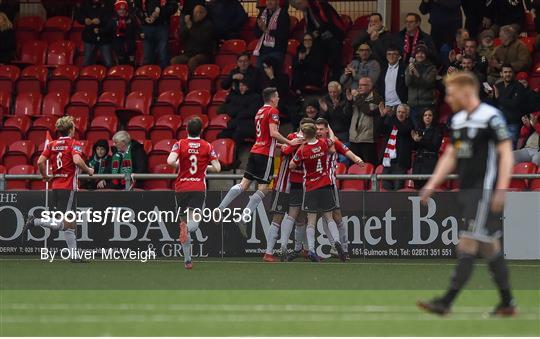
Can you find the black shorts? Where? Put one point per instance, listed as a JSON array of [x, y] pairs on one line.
[[259, 168], [478, 221], [62, 200], [280, 202], [296, 194], [319, 200], [190, 200]]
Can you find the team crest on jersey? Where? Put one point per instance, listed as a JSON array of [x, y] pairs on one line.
[[472, 132], [77, 148], [316, 149], [175, 147], [194, 145]]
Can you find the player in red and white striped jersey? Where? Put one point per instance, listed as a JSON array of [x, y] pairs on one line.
[[323, 132], [66, 158], [193, 157]]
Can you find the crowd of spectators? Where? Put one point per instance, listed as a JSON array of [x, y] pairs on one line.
[[385, 104]]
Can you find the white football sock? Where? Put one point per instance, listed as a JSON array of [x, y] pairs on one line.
[[286, 228], [186, 248], [254, 201], [192, 226], [299, 237], [310, 234], [343, 236], [71, 238], [272, 238], [233, 193], [49, 224], [327, 232], [332, 227]]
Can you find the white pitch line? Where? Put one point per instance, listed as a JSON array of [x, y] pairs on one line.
[[176, 261]]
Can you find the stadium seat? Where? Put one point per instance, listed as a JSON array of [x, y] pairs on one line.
[[212, 134], [19, 184], [160, 152], [173, 78], [212, 111], [167, 103], [251, 46], [33, 52], [5, 104], [195, 102], [86, 147], [357, 185], [219, 122], [292, 46], [90, 78], [32, 79], [61, 53], [139, 126], [15, 128], [39, 129], [2, 167], [62, 79], [159, 184], [108, 103], [233, 46], [102, 127], [8, 77], [18, 153], [223, 60], [55, 103], [37, 185], [81, 104], [534, 83], [226, 152], [534, 184], [28, 27], [145, 79], [56, 29], [341, 168], [226, 70], [522, 168], [165, 127], [28, 103], [118, 78], [220, 97], [81, 125], [204, 77], [138, 102], [361, 22]]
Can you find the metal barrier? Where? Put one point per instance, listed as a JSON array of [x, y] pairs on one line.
[[373, 178]]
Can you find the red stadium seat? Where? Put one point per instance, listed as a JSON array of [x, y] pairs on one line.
[[61, 53], [200, 97], [233, 46], [204, 77], [33, 52], [341, 168], [226, 152], [102, 127], [55, 103], [118, 78], [160, 152], [139, 102], [139, 126], [81, 104], [28, 104], [38, 131], [19, 184], [15, 128], [292, 46], [534, 83], [62, 79], [160, 184], [108, 103], [8, 77], [90, 78], [81, 125], [32, 79], [219, 122], [19, 153], [212, 134], [28, 27], [167, 103], [361, 22], [226, 70], [223, 60], [145, 79], [534, 185], [56, 29], [5, 104], [220, 97], [165, 127], [522, 168], [357, 185], [173, 78], [212, 111]]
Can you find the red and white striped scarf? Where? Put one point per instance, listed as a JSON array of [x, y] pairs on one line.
[[266, 39], [390, 151]]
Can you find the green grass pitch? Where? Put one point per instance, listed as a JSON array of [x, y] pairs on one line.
[[246, 297]]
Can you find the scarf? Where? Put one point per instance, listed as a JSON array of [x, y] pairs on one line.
[[407, 48], [121, 26], [122, 164], [266, 39], [390, 151], [100, 165]]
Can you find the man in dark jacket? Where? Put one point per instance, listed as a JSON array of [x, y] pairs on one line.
[[100, 162], [333, 110], [500, 13], [377, 37], [244, 71], [391, 84], [272, 29], [509, 96], [128, 157], [445, 19], [125, 29], [198, 39], [95, 15], [412, 36], [398, 151], [228, 16], [155, 16]]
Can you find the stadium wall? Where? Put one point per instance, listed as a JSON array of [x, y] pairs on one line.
[[381, 225]]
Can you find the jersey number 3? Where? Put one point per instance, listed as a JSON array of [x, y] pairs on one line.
[[193, 164]]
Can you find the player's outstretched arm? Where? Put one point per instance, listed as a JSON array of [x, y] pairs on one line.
[[42, 161], [79, 162], [445, 166], [214, 167], [274, 133], [355, 158], [172, 160]]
